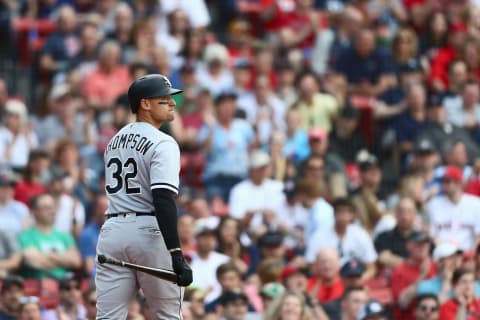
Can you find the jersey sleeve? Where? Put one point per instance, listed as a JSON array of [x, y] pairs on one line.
[[165, 167]]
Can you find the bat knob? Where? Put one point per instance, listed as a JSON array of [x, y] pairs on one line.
[[101, 259]]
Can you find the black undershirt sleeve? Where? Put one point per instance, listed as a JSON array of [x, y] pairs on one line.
[[166, 214]]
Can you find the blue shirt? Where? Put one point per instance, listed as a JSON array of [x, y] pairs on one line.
[[228, 154], [3, 316], [434, 285], [296, 147], [407, 128], [359, 69], [87, 242], [320, 216]]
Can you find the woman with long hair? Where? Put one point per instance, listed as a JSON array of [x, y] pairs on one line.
[[290, 306], [228, 234]]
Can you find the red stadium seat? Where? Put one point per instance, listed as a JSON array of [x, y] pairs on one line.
[[30, 36], [85, 284], [50, 287], [32, 287], [49, 301], [365, 104], [192, 166], [384, 295]]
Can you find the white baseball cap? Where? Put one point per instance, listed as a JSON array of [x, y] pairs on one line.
[[59, 90], [205, 225], [16, 107], [258, 159], [444, 250]]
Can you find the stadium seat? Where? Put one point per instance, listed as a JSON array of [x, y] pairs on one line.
[[30, 36], [32, 287], [50, 287]]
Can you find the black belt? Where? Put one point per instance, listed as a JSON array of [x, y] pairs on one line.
[[124, 214]]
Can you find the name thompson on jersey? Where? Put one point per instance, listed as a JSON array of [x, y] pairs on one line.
[[130, 141]]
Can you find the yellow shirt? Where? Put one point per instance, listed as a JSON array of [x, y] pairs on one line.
[[320, 114]]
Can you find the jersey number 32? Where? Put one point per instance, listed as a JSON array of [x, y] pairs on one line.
[[119, 176]]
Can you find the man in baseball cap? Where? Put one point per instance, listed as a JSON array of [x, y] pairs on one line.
[[149, 86], [445, 256], [352, 272], [372, 310], [453, 173]]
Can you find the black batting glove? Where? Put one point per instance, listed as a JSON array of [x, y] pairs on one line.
[[181, 269]]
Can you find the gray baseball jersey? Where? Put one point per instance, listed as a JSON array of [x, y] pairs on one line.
[[139, 158]]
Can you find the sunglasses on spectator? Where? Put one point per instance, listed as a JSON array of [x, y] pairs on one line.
[[92, 303], [425, 308], [30, 299]]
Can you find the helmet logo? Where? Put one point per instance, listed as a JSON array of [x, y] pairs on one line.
[[167, 82]]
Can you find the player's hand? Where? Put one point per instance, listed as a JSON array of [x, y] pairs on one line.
[[181, 269]]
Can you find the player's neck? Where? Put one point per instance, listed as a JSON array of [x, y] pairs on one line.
[[145, 118]]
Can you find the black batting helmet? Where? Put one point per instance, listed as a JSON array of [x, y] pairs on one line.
[[149, 86]]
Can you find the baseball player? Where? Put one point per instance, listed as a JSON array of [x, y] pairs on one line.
[[142, 167]]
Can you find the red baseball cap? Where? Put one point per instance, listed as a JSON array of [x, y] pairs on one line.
[[291, 270], [453, 173], [317, 133], [457, 27]]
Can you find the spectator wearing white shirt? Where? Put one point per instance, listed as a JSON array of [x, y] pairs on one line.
[[256, 200], [70, 213], [264, 110], [16, 136], [205, 260], [214, 74], [196, 10], [466, 111], [14, 215], [309, 193], [454, 215], [350, 240]]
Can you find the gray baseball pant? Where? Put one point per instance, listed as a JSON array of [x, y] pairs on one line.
[[136, 240]]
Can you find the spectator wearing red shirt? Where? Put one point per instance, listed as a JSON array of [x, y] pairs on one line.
[[263, 65], [464, 305], [33, 182], [299, 27], [240, 41], [438, 76], [273, 12], [419, 10], [327, 285], [109, 80], [408, 275]]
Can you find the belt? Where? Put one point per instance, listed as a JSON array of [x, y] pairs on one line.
[[124, 214]]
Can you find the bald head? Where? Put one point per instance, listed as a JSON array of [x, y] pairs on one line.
[[328, 264], [67, 19], [352, 14]]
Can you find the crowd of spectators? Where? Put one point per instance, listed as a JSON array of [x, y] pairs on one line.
[[330, 163]]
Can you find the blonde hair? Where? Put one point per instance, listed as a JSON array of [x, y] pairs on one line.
[[270, 270], [411, 36], [274, 310]]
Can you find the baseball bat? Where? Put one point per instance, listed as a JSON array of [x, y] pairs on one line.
[[156, 272]]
